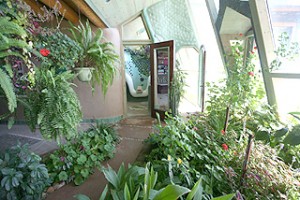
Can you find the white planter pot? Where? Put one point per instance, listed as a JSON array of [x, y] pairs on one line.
[[84, 74]]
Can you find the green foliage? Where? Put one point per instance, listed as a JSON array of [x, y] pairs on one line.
[[8, 89], [96, 54], [22, 175], [267, 176], [77, 159], [139, 183], [64, 52], [195, 149], [177, 89], [286, 50], [54, 105], [293, 137], [12, 37], [199, 147]]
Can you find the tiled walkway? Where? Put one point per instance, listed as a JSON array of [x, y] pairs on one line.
[[22, 134]]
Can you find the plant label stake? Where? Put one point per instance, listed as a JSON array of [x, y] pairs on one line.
[[247, 156]]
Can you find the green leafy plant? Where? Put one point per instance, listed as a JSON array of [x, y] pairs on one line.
[[22, 175], [12, 39], [177, 89], [139, 183], [198, 145], [54, 105], [96, 54], [286, 50], [78, 158], [63, 56]]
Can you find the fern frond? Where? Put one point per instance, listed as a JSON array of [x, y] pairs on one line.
[[12, 42], [8, 88], [4, 54], [8, 28]]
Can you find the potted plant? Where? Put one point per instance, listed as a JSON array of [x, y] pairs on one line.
[[98, 55], [63, 56]]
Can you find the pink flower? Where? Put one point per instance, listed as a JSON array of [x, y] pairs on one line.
[[225, 147], [81, 148], [241, 34], [195, 128], [44, 52], [223, 132], [36, 24], [251, 73], [62, 159], [252, 52]]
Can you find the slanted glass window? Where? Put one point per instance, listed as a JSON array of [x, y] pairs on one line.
[[215, 69], [187, 59], [285, 20], [135, 30]]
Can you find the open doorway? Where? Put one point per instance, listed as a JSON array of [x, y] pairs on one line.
[[137, 77]]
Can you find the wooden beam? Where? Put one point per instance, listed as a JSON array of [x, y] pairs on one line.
[[89, 13], [35, 6], [65, 10]]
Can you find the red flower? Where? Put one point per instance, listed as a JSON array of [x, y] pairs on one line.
[[225, 147], [223, 132], [241, 34], [252, 52], [45, 52], [251, 73], [255, 48]]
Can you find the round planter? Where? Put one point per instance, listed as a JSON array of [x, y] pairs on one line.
[[84, 74]]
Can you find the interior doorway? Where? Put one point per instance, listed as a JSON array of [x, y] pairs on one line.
[[137, 79]]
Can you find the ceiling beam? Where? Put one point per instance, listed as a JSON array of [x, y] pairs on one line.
[[89, 13], [35, 6], [65, 10]]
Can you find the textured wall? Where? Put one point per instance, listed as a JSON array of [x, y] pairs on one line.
[[96, 106]]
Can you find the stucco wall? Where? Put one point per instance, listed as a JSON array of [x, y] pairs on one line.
[[96, 106]]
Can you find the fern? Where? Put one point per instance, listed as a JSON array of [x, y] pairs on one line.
[[9, 28], [8, 43], [55, 106], [8, 89], [12, 36]]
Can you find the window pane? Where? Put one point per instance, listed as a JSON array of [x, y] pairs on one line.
[[214, 66], [287, 97], [188, 59], [135, 30], [285, 18]]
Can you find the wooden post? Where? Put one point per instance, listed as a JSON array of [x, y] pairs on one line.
[[247, 156], [227, 119]]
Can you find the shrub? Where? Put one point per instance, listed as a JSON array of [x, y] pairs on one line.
[[22, 175], [77, 159], [201, 151]]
